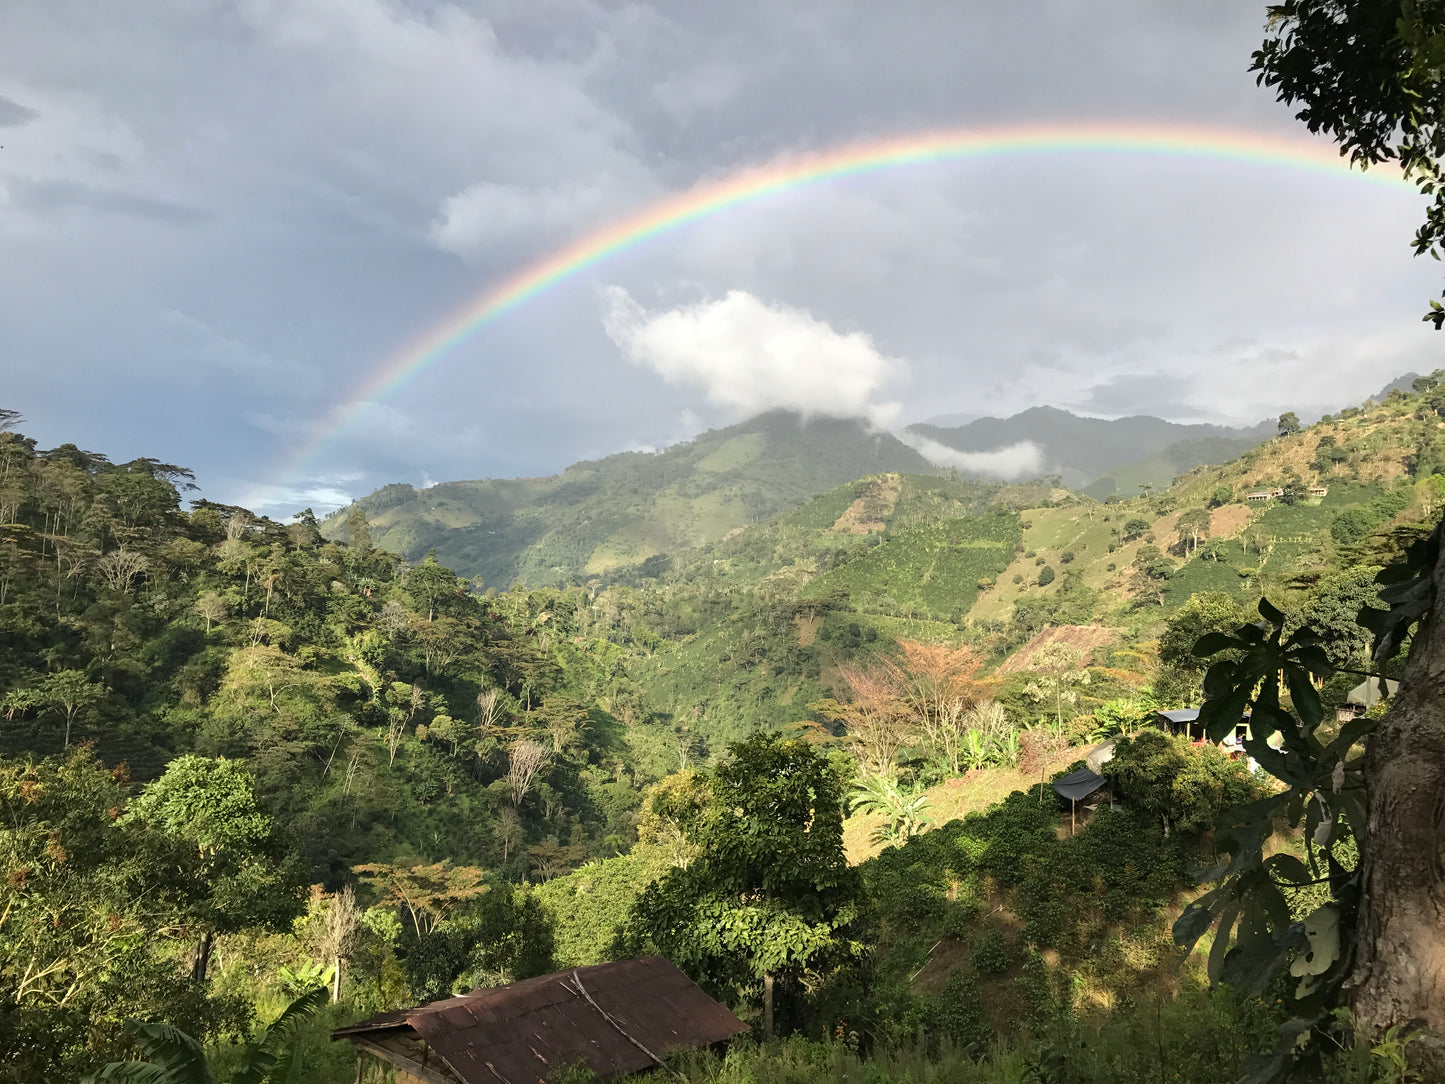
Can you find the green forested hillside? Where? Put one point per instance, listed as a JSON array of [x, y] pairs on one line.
[[608, 514], [324, 712], [618, 511]]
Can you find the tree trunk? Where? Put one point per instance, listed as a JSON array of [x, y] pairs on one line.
[[768, 1005], [336, 982], [202, 962], [1399, 976]]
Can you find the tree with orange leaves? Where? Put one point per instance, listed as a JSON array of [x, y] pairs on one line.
[[938, 687], [877, 719]]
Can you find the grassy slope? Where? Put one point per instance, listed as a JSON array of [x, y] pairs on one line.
[[1296, 539]]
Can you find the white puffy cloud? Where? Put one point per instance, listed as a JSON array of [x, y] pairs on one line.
[[1024, 459], [749, 356]]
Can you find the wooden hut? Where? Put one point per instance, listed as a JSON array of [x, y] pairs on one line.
[[617, 1018]]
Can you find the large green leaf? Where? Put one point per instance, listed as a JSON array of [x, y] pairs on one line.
[[175, 1057], [265, 1062]]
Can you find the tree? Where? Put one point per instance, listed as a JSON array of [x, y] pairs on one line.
[[358, 531], [1293, 491], [1367, 74], [66, 692], [176, 1058], [1056, 671], [508, 831], [338, 932], [1333, 611], [120, 568], [1220, 496], [429, 584], [427, 894], [771, 895], [527, 758], [1151, 571], [1288, 424], [1192, 525], [1046, 576], [1179, 672], [937, 682], [1368, 823], [87, 910], [1186, 788], [211, 607], [246, 874], [1134, 527], [876, 721], [564, 720]]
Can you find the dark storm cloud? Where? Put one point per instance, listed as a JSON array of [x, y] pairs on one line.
[[219, 219], [52, 195], [13, 114]]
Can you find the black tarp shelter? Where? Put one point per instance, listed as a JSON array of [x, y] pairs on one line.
[[1075, 787]]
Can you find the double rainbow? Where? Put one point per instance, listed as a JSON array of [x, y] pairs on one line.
[[708, 199]]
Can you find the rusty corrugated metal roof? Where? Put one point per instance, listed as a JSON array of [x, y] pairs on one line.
[[617, 1017]]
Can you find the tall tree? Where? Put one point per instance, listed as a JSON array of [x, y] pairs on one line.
[[1369, 74], [1192, 525], [246, 874], [770, 895]]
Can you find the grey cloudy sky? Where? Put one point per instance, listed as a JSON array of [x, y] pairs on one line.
[[217, 218]]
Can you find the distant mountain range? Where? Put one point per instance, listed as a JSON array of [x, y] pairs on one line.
[[609, 513], [1103, 455], [605, 514]]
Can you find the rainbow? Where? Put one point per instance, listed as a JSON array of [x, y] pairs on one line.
[[710, 198]]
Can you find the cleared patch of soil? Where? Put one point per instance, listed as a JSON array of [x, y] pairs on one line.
[[1086, 639], [869, 513]]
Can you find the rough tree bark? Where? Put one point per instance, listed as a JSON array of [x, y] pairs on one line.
[[1399, 977]]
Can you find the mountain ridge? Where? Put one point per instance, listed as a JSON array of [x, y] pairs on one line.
[[601, 515]]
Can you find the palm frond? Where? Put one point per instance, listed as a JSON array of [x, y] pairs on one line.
[[175, 1057], [270, 1059]]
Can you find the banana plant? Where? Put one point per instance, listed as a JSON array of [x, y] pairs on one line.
[[306, 974], [975, 751], [1005, 749], [177, 1058], [906, 814]]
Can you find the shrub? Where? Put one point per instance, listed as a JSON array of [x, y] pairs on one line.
[[1046, 576], [1184, 786], [992, 954]]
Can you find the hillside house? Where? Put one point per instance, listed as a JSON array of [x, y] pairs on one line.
[[618, 1018], [1319, 491], [1264, 494], [1365, 696], [1184, 722]]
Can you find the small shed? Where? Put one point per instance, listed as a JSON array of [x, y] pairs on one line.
[[618, 1018], [1075, 787], [1183, 721]]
